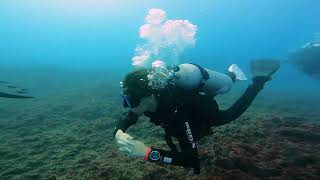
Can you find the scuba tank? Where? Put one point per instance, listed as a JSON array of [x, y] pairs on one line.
[[206, 81]]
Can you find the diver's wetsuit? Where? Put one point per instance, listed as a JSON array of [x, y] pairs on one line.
[[188, 116]]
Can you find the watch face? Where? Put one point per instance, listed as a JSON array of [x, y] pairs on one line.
[[154, 155]]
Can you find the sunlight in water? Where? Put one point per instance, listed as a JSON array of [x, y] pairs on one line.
[[88, 4], [83, 6]]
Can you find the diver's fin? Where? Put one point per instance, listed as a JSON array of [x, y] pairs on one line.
[[264, 67], [237, 72], [7, 95]]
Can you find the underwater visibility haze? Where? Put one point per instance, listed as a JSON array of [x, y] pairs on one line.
[[61, 64]]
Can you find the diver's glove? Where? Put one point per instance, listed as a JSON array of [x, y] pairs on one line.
[[127, 145]]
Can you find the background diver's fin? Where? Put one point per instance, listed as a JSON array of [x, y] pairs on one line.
[[6, 95], [264, 67], [237, 72]]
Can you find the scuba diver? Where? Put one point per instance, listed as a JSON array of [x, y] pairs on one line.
[[16, 93], [307, 59], [183, 104], [7, 95]]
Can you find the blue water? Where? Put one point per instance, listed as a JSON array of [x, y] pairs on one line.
[[95, 34]]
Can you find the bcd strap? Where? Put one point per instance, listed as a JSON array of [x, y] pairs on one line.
[[204, 74]]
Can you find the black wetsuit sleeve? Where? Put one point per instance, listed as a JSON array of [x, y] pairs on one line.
[[188, 157], [242, 104], [127, 119]]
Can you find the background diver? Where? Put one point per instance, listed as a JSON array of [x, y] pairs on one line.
[[15, 91], [183, 105], [307, 58]]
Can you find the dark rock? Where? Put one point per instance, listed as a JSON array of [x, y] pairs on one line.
[[246, 165], [225, 163], [303, 161], [52, 178], [316, 170], [104, 172], [14, 171], [235, 175], [249, 148], [300, 135], [32, 176], [274, 172], [156, 174]]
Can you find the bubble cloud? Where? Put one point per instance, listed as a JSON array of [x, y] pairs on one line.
[[162, 37], [155, 16]]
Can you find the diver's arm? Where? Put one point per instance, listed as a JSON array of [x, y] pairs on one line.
[[127, 119], [188, 157], [242, 104]]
